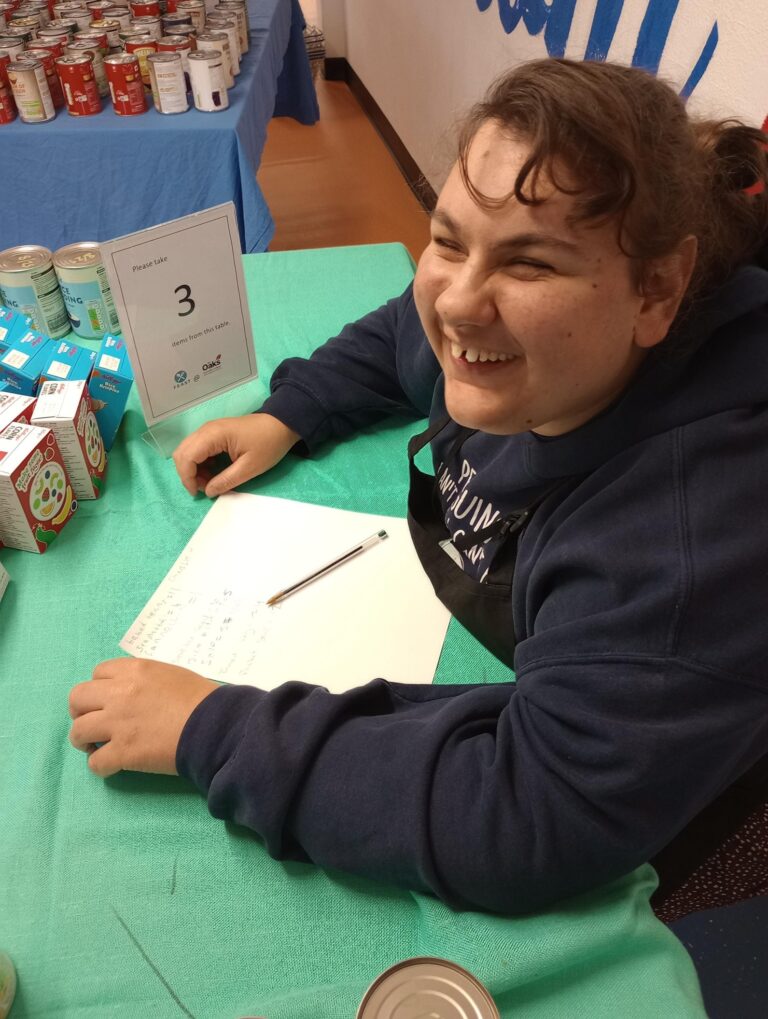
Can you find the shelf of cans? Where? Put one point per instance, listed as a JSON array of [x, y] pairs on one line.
[[73, 55], [61, 403]]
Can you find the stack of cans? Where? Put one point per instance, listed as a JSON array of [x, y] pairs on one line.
[[76, 53]]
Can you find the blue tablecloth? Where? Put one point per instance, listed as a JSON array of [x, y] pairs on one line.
[[95, 178]]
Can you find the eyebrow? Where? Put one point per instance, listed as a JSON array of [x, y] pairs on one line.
[[524, 240]]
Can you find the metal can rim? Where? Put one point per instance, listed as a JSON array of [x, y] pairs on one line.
[[37, 249], [61, 255], [483, 992]]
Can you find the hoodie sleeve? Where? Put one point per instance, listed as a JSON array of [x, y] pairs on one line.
[[377, 367], [495, 797]]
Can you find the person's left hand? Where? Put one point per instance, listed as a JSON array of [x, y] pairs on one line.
[[137, 709]]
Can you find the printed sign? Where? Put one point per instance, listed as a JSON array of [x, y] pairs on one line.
[[181, 299]]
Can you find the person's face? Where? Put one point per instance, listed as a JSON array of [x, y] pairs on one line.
[[536, 324]]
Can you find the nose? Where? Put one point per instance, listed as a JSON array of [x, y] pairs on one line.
[[467, 300]]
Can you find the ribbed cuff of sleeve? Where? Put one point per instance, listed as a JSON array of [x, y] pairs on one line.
[[300, 412]]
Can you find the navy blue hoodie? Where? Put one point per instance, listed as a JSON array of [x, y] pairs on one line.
[[639, 604]]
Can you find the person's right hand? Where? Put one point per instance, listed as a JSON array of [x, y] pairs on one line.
[[254, 443]]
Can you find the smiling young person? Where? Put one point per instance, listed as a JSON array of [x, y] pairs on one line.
[[588, 334]]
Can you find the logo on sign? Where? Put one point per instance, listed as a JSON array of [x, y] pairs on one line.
[[210, 366]]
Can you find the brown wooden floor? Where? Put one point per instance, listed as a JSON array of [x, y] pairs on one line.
[[335, 183]]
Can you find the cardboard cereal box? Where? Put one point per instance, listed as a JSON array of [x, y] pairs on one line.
[[36, 498], [23, 362], [67, 362], [65, 408], [12, 325], [109, 385], [14, 407]]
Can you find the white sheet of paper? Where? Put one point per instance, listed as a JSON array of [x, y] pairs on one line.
[[376, 615]]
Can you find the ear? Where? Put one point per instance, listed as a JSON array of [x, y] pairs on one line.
[[666, 281]]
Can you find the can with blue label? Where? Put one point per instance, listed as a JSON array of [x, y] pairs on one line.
[[28, 285], [85, 288]]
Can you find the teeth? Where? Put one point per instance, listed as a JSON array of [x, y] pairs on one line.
[[473, 354]]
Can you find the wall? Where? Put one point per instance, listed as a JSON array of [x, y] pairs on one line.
[[424, 61]]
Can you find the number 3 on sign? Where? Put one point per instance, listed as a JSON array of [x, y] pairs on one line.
[[186, 299]]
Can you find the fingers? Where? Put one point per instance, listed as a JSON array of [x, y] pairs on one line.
[[237, 473], [198, 447], [83, 698], [104, 761], [89, 729]]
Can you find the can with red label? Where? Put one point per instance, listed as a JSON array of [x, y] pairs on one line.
[[171, 6], [5, 12], [54, 42], [143, 8], [97, 8], [30, 91], [142, 47], [48, 60], [79, 83], [80, 49], [111, 28], [125, 84], [95, 39], [61, 10], [7, 105], [5, 59]]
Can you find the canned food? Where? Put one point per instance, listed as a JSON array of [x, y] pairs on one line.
[[97, 8], [142, 8], [181, 44], [142, 47], [222, 23], [5, 12], [30, 91], [241, 13], [28, 284], [196, 11], [125, 84], [19, 33], [95, 39], [81, 18], [111, 29], [82, 49], [427, 987], [176, 24], [119, 14], [79, 82], [85, 289], [30, 21], [218, 41], [68, 25], [206, 75], [62, 9], [53, 45], [152, 25], [169, 86], [41, 6], [48, 60], [12, 47], [7, 104]]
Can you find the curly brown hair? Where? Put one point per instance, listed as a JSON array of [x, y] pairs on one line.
[[629, 151]]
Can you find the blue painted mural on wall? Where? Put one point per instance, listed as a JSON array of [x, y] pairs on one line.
[[554, 19]]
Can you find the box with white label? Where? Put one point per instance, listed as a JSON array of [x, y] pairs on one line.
[[12, 325], [67, 362], [15, 407], [109, 385], [36, 498], [65, 408], [23, 362]]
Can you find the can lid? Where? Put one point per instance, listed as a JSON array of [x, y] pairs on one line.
[[80, 255], [121, 58], [24, 64], [207, 55], [427, 986], [164, 58], [72, 59], [24, 256]]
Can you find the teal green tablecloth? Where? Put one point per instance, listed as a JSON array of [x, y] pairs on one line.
[[125, 898]]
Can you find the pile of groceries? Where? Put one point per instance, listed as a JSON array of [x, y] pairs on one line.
[[61, 402], [77, 53]]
